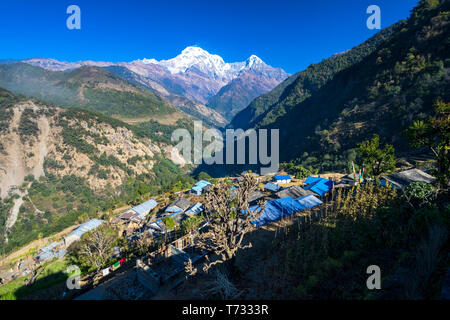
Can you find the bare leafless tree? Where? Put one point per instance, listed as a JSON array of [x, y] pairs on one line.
[[96, 246], [144, 241], [189, 268], [229, 219]]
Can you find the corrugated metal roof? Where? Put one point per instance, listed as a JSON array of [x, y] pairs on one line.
[[131, 216], [61, 253], [294, 192], [87, 226], [255, 195], [47, 255], [272, 186], [406, 177], [181, 203], [146, 207], [50, 247], [202, 183], [195, 209]]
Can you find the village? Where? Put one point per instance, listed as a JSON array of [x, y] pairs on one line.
[[160, 220]]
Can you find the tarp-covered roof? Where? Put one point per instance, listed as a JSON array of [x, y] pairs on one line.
[[311, 179], [319, 185], [309, 201], [197, 188], [278, 209], [200, 185]]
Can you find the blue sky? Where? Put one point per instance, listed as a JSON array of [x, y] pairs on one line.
[[290, 34]]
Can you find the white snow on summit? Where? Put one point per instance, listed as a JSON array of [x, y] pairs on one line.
[[195, 58]]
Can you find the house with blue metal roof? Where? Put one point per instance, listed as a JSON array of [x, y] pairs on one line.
[[281, 179], [199, 187]]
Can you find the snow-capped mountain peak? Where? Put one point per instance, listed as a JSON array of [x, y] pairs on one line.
[[149, 61], [199, 59], [253, 60], [196, 59]]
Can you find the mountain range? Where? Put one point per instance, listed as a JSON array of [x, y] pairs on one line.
[[194, 74]]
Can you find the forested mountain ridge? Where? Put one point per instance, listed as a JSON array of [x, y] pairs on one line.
[[383, 93], [300, 86], [91, 88]]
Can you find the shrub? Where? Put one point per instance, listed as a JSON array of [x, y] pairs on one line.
[[418, 194], [169, 223]]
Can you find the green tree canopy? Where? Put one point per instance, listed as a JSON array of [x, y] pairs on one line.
[[204, 176], [376, 160], [169, 222], [435, 135]]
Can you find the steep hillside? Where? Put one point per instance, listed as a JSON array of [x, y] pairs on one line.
[[60, 165], [264, 109], [190, 107], [245, 118], [237, 95], [91, 88], [378, 87]]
